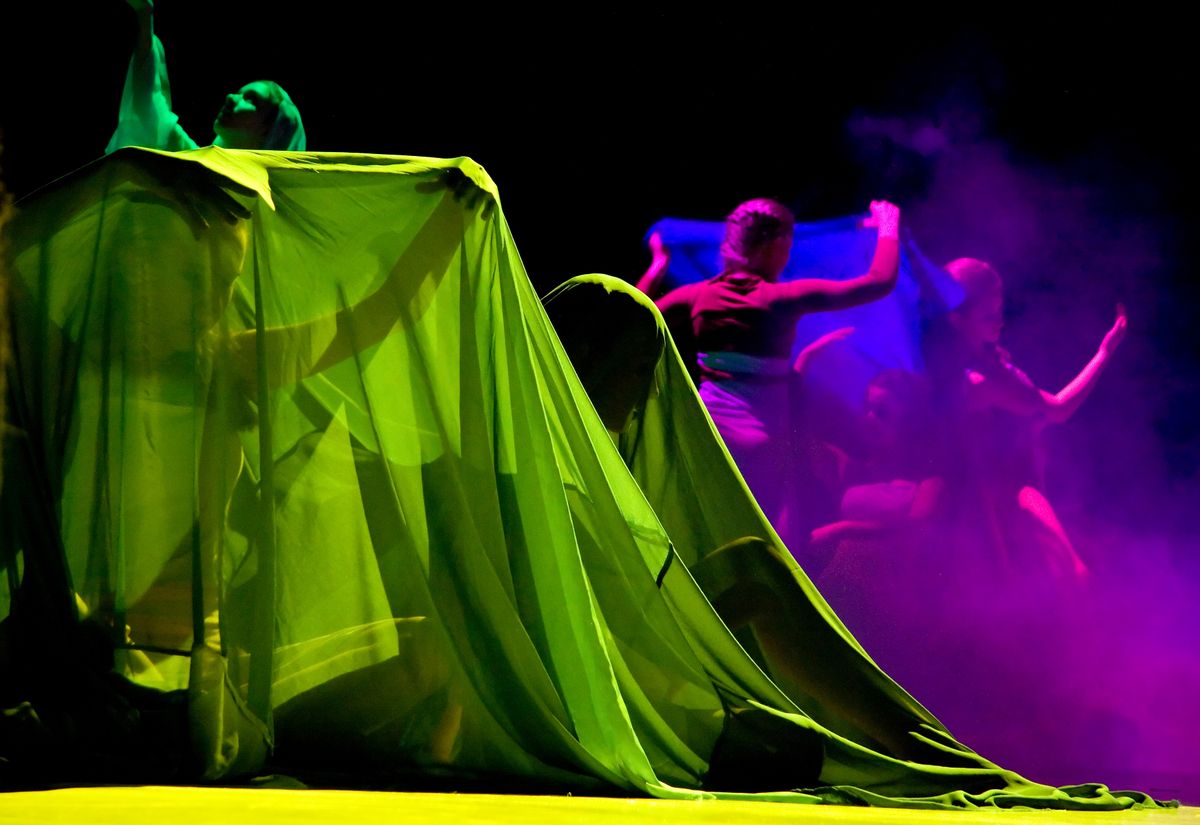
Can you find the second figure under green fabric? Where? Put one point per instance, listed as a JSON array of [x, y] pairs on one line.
[[617, 340]]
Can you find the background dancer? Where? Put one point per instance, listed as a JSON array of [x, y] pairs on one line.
[[742, 325], [994, 416]]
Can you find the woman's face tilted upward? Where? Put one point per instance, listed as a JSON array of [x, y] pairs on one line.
[[246, 117]]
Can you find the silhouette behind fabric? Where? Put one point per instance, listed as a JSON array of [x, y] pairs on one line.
[[259, 518]]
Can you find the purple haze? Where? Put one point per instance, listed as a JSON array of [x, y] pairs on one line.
[[1064, 685]]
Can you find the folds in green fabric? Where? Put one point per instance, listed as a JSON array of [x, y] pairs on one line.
[[303, 480]]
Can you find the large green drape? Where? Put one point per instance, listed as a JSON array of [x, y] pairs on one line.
[[302, 480]]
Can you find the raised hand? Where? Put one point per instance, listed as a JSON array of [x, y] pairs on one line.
[[651, 282], [1114, 336], [658, 250], [465, 190], [885, 216]]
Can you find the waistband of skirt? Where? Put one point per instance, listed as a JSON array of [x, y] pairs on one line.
[[740, 364]]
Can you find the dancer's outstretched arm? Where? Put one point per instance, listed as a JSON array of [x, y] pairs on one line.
[[146, 117], [822, 294], [1017, 397], [1063, 404], [144, 9], [651, 281]]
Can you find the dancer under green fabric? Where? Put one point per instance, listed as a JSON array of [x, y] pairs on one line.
[[422, 560], [612, 333], [617, 341], [260, 115]]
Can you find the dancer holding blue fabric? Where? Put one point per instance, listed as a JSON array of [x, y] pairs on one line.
[[743, 327]]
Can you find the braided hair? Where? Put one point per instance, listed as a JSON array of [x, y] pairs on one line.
[[751, 229]]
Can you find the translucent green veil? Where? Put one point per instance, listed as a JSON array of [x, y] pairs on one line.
[[680, 463], [300, 479]]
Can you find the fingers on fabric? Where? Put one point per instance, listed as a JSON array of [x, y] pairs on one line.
[[464, 190], [210, 200], [206, 196]]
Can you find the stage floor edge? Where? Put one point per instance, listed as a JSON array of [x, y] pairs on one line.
[[153, 805]]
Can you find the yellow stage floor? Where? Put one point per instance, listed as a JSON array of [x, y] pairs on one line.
[[257, 806]]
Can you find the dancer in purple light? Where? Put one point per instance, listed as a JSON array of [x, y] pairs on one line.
[[742, 327], [995, 416]]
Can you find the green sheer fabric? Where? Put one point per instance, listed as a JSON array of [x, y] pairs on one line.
[[304, 481]]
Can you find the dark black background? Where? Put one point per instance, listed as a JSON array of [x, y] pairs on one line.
[[595, 123]]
